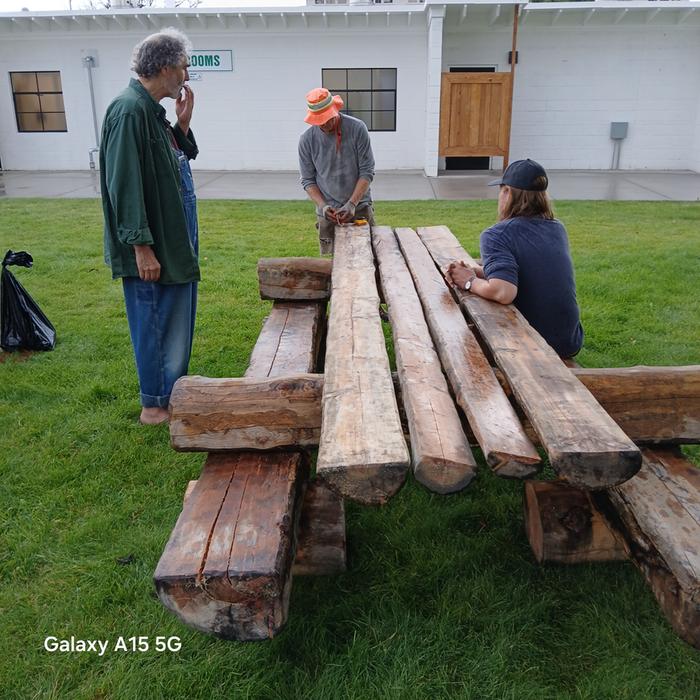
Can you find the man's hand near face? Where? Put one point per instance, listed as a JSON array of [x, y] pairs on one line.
[[184, 104]]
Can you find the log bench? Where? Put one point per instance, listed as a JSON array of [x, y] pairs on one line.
[[321, 549], [362, 452], [226, 421], [441, 457], [584, 445], [253, 519], [227, 567], [652, 519]]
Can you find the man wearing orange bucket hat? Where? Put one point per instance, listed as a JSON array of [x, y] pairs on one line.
[[336, 165]]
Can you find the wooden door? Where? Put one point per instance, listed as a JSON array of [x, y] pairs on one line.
[[475, 114]]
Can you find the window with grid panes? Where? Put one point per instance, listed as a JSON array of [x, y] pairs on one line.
[[368, 93], [38, 98]]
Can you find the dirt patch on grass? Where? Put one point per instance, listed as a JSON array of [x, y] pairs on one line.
[[16, 356]]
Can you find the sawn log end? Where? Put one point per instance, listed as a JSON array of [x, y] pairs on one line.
[[369, 484], [594, 471], [443, 476], [511, 466]]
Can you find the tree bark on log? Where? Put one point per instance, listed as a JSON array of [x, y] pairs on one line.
[[362, 453], [214, 415], [653, 405], [628, 392], [563, 525], [506, 448], [295, 279], [585, 446], [659, 513], [442, 460]]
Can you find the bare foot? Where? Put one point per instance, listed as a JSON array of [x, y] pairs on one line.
[[154, 416]]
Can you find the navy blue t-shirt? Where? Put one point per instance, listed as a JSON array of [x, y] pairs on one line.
[[533, 254]]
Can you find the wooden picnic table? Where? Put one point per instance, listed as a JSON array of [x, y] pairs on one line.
[[468, 371]]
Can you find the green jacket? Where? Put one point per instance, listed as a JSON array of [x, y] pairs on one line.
[[141, 188]]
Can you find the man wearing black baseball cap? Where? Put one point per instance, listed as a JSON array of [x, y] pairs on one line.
[[525, 175], [526, 259]]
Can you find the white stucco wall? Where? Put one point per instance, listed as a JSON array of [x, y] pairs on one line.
[[571, 82], [248, 119], [41, 151], [695, 156]]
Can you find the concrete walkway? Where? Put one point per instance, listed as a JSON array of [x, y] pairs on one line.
[[683, 185]]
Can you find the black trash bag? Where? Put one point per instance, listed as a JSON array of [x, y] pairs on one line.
[[23, 325]]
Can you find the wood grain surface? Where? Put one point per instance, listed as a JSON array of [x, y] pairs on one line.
[[362, 453], [584, 444], [506, 448], [294, 279], [442, 460]]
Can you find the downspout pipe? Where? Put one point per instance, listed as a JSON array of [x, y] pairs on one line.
[[89, 63]]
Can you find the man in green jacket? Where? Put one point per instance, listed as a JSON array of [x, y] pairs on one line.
[[150, 213]]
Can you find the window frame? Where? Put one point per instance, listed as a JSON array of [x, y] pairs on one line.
[[372, 90], [38, 93]]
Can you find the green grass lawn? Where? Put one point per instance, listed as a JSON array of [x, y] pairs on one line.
[[442, 597]]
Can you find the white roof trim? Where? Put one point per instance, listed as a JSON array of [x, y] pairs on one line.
[[615, 5], [488, 13], [398, 8], [215, 12]]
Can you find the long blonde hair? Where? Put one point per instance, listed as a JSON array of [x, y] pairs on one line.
[[533, 204]]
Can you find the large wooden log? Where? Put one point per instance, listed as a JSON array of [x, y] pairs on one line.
[[294, 279], [226, 567], [585, 446], [659, 513], [442, 460], [563, 525], [651, 404], [653, 518], [362, 454], [321, 546], [210, 415], [321, 549], [245, 409], [491, 417], [250, 601], [289, 340]]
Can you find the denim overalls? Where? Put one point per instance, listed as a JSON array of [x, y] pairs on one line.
[[161, 316]]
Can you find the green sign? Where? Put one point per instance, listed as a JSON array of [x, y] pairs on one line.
[[214, 60]]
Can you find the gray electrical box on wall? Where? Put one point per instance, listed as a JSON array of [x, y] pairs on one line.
[[618, 133], [618, 130]]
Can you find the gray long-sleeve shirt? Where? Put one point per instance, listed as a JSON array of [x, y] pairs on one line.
[[335, 172]]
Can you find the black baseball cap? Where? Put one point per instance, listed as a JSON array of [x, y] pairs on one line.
[[523, 174]]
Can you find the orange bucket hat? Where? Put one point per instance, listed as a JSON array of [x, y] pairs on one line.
[[322, 106]]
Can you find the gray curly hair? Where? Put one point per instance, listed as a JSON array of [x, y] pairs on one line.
[[165, 48]]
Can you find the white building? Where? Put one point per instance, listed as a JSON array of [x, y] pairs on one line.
[[581, 66]]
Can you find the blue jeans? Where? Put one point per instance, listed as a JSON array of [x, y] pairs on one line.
[[161, 317]]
